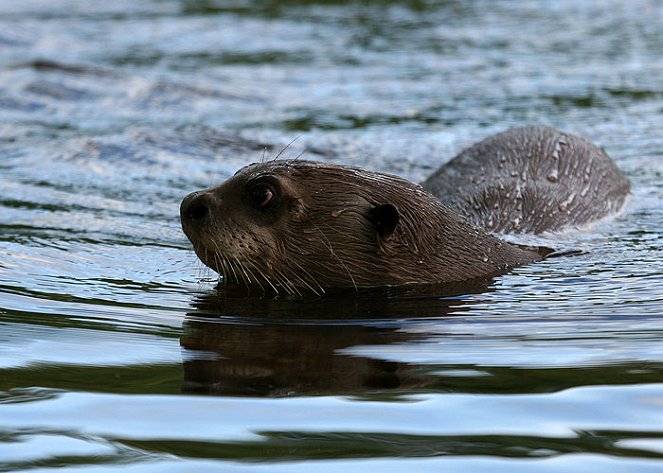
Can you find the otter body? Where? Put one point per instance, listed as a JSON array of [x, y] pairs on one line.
[[532, 179], [297, 226]]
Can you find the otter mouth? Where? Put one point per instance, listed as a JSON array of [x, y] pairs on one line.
[[207, 256], [195, 218], [231, 269], [236, 271]]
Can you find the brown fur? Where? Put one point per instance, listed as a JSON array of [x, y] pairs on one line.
[[331, 227], [531, 179]]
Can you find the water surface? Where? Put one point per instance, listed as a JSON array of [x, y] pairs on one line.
[[116, 351]]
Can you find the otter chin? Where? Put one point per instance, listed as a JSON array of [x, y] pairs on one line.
[[300, 226], [295, 227]]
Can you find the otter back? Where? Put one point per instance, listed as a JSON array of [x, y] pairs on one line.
[[531, 180]]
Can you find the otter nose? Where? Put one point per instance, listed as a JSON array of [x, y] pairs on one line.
[[195, 208]]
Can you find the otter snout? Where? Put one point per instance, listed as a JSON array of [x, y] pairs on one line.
[[195, 209]]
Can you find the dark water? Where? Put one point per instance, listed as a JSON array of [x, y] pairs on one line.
[[117, 354]]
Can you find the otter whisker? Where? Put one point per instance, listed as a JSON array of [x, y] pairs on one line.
[[313, 280], [207, 256], [201, 267], [287, 284], [241, 269], [282, 280], [257, 277], [237, 277], [305, 150], [225, 268], [249, 271], [285, 148], [220, 261], [228, 271], [279, 281], [333, 253], [274, 286], [314, 290], [268, 281]]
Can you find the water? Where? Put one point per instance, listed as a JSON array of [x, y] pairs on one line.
[[116, 352]]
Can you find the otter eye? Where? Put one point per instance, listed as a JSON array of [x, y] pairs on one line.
[[261, 195]]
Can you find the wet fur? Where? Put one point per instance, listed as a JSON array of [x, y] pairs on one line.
[[532, 179], [334, 227], [324, 233]]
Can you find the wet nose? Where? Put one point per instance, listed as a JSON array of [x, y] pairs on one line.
[[195, 208]]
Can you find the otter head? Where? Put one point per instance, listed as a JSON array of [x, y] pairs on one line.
[[296, 226]]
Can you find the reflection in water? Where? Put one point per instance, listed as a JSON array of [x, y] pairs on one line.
[[260, 346], [248, 346], [284, 360]]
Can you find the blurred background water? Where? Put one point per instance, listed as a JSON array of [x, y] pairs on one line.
[[117, 353]]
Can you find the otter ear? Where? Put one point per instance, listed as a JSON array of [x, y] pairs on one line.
[[385, 218]]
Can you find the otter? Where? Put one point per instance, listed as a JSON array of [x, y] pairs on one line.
[[295, 226]]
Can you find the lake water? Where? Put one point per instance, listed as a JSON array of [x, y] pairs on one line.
[[118, 355]]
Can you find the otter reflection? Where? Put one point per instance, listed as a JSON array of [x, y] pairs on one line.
[[270, 347]]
